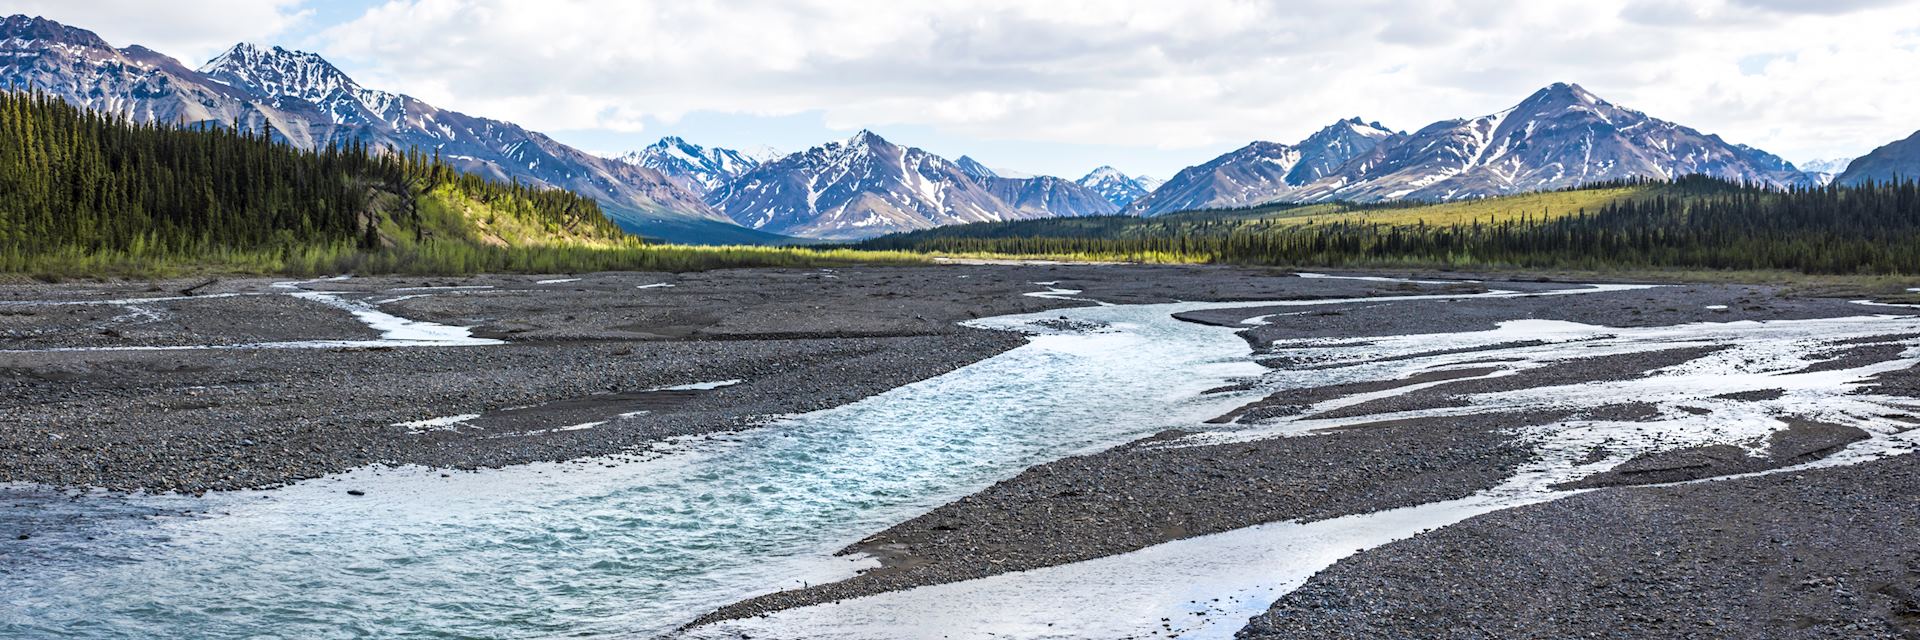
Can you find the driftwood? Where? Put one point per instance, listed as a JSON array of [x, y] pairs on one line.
[[195, 288]]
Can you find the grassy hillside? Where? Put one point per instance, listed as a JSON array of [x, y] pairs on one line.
[[85, 194], [1536, 206], [1690, 223]]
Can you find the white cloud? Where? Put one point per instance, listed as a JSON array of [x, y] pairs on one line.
[[1151, 73], [190, 30], [1795, 78]]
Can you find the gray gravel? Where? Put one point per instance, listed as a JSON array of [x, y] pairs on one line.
[[198, 420], [1820, 554], [798, 340]]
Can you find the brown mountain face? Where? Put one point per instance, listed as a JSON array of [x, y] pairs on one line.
[[1897, 161]]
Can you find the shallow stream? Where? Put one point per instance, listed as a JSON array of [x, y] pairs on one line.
[[613, 548]]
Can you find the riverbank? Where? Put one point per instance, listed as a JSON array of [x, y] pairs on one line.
[[198, 385]]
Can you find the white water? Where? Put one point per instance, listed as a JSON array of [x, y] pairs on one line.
[[1057, 293]]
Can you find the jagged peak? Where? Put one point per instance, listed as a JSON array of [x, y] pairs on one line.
[[248, 54], [1343, 128], [1358, 122], [974, 168], [866, 137], [279, 71], [36, 28], [1563, 93]]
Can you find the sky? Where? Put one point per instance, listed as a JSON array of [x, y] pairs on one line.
[[1063, 86]]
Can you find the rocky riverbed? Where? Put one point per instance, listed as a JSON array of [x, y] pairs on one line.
[[1452, 394], [1561, 412]]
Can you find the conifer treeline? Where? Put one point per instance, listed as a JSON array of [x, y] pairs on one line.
[[77, 179], [1694, 222]]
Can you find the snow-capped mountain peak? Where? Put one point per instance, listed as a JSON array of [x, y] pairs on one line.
[[1117, 187], [20, 30], [286, 74], [696, 168], [762, 153], [280, 72], [1834, 166]]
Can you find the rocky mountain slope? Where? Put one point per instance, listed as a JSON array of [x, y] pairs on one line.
[[310, 103], [974, 169], [867, 186], [1561, 136], [1895, 161], [1048, 197], [1264, 171]]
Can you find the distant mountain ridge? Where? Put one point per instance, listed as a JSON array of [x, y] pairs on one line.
[[1894, 162], [1560, 136], [868, 186], [1263, 171], [309, 103]]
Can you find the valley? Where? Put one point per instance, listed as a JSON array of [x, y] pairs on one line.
[[861, 448]]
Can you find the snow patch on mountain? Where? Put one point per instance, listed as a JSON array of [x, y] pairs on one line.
[[1560, 136], [867, 186], [696, 168]]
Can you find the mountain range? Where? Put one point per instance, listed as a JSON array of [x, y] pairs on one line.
[[1264, 171], [1560, 136], [868, 186], [307, 102]]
